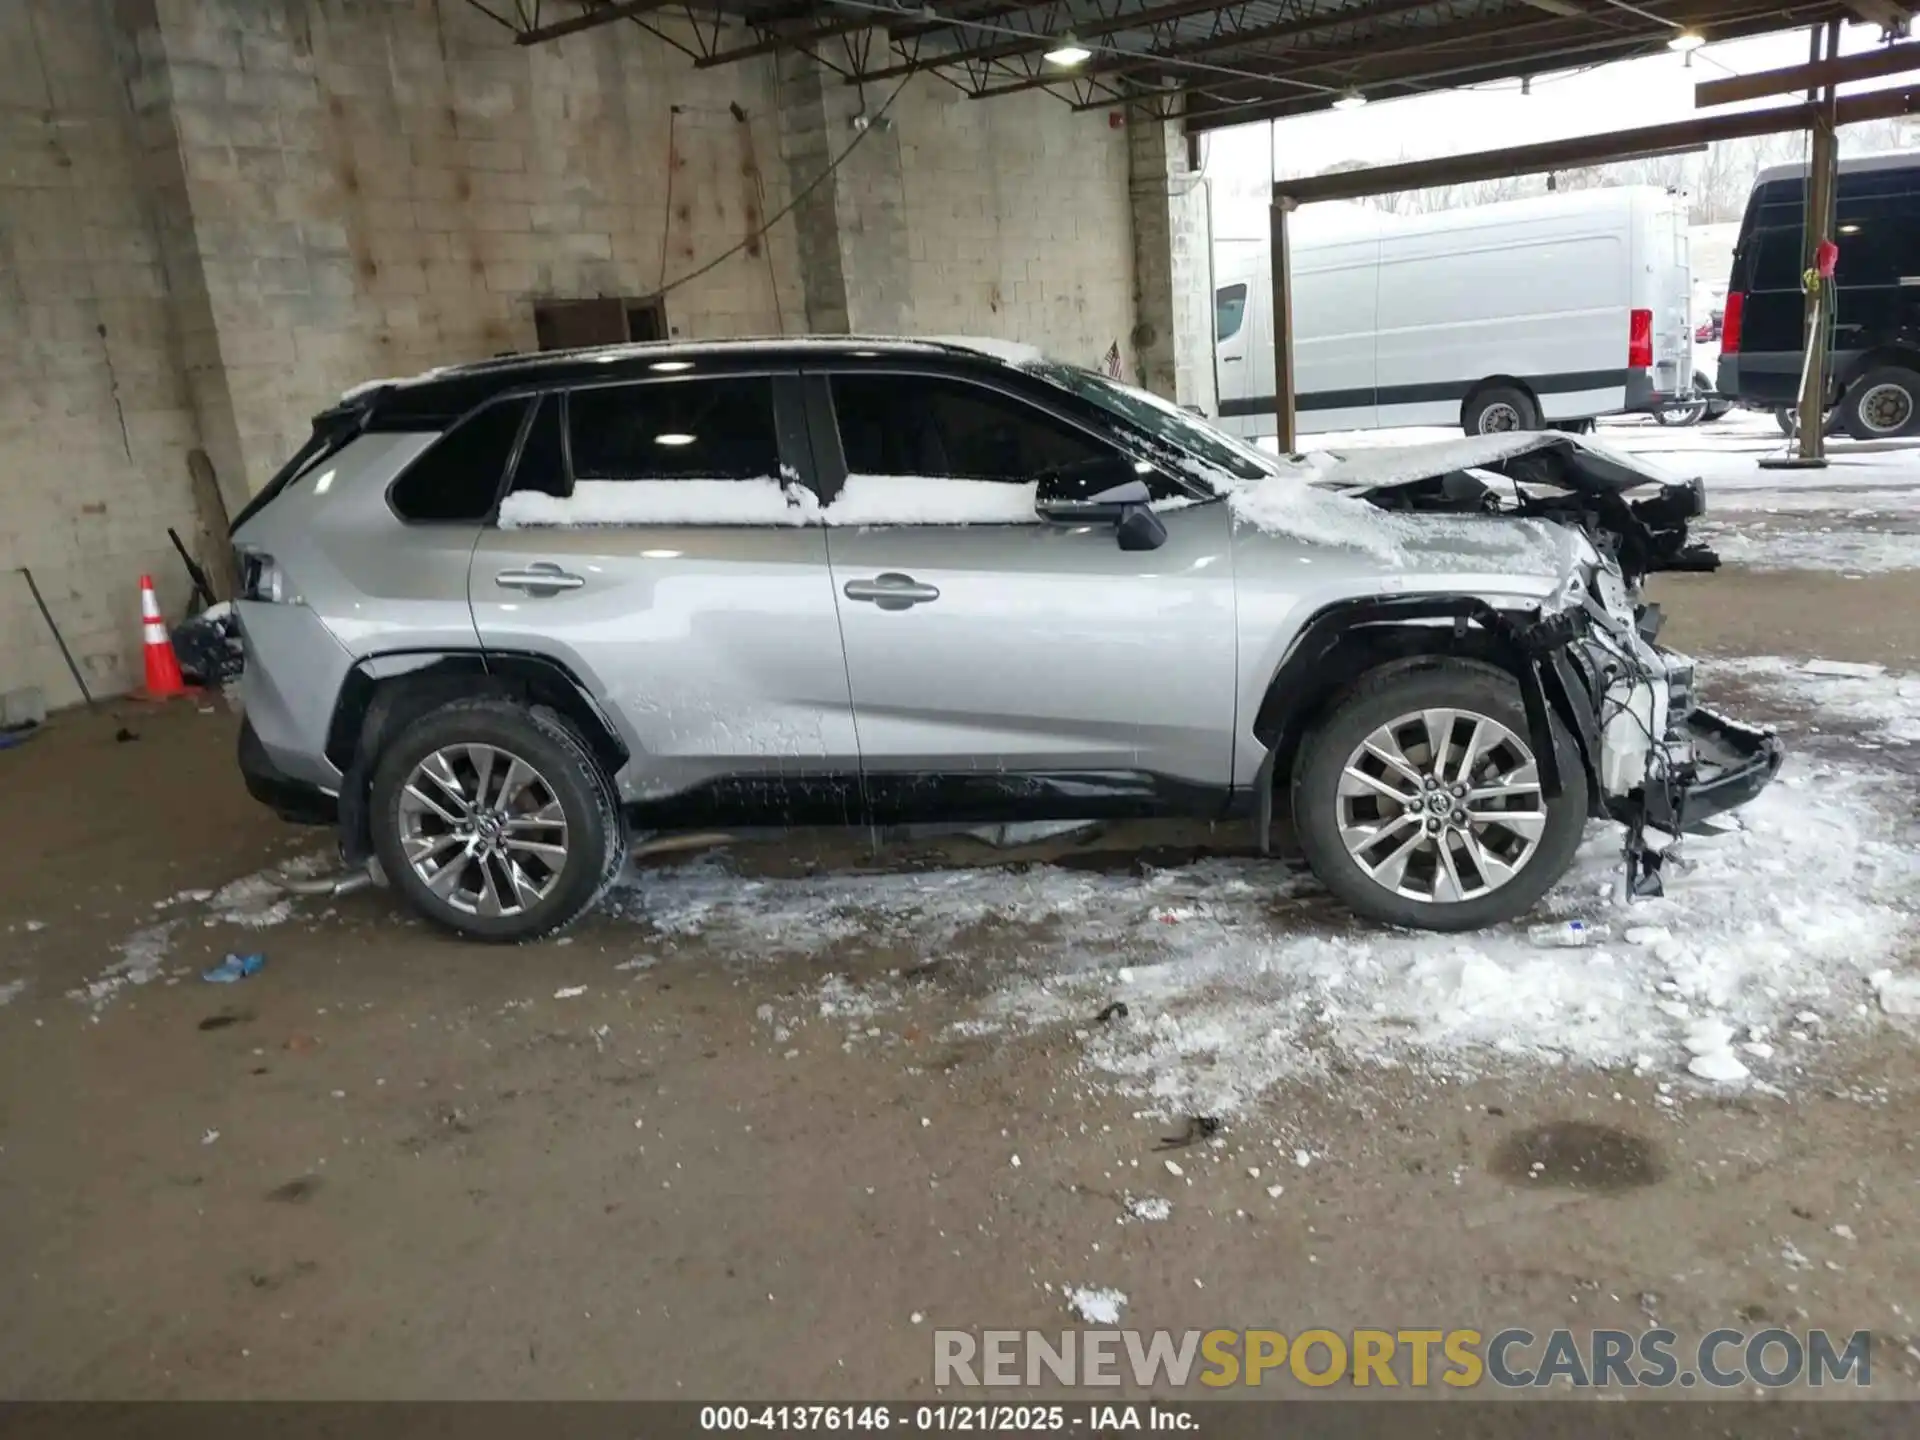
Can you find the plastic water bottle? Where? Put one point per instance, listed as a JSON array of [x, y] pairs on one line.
[[1567, 934]]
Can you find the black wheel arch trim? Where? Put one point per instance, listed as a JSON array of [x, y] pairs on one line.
[[384, 693], [1531, 646]]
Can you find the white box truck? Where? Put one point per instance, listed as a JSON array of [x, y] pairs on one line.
[[1514, 316]]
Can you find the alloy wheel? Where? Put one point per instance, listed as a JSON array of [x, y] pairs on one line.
[[483, 830], [1441, 805]]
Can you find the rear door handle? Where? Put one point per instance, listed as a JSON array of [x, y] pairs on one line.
[[891, 591], [540, 578]]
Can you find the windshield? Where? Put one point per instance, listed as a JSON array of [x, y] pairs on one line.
[[1163, 420]]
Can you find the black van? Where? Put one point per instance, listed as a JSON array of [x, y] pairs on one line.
[[1874, 375]]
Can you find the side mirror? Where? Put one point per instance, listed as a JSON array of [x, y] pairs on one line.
[[1069, 500], [1141, 529]]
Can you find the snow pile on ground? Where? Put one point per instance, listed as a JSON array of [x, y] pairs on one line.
[[1857, 551], [1237, 974], [1887, 704], [259, 900], [143, 958], [1787, 915], [1096, 1307], [253, 901]]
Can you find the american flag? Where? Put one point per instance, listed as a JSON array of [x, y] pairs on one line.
[[1111, 362]]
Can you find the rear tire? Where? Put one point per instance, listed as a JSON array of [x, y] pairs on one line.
[[1499, 409], [493, 820], [1335, 810], [1883, 404]]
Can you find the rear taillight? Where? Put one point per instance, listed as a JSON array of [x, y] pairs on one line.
[[1730, 323], [1640, 340]]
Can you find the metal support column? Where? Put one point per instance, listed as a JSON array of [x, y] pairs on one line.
[[1283, 396]]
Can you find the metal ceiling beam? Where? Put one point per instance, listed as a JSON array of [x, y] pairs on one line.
[[1869, 64], [919, 24], [1408, 39], [800, 40], [588, 20], [1291, 29], [1591, 149], [1532, 60], [1083, 30]]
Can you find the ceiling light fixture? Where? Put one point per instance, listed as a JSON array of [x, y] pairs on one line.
[[1352, 100], [1687, 40], [673, 437], [670, 366], [1069, 51]]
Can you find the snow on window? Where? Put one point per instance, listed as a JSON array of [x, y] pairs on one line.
[[761, 501], [927, 500], [866, 500]]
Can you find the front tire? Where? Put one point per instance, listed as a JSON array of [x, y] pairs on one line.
[[1418, 800], [493, 820]]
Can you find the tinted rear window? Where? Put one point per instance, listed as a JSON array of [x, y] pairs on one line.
[[720, 429], [458, 478]]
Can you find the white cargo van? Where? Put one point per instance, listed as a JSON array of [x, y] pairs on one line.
[[1501, 317]]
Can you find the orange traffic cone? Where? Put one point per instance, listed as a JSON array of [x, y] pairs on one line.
[[163, 666]]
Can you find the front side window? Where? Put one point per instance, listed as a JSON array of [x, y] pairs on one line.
[[1229, 311], [925, 425], [668, 452], [458, 477], [1197, 442], [928, 450]]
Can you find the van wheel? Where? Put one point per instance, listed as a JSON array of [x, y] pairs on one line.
[[1418, 800], [493, 820], [1882, 404], [1498, 409], [1787, 417]]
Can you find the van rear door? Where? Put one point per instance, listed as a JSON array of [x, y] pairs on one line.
[[1669, 281]]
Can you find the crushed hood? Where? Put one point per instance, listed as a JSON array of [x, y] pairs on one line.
[[1637, 510], [1572, 462]]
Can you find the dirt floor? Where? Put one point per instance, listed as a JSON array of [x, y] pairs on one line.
[[394, 1165]]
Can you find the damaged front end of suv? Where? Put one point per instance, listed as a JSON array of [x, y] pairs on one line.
[[1655, 759]]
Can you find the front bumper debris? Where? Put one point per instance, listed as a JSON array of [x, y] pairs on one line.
[[1732, 763]]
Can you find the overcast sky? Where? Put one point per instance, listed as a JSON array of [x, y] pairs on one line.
[[1454, 122]]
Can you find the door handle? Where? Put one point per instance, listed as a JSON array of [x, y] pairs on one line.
[[540, 578], [891, 591], [1231, 359]]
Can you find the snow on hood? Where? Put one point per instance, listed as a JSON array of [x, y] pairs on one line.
[[1388, 465], [1295, 502]]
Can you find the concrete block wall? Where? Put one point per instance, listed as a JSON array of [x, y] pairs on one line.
[[95, 419], [1018, 220], [380, 186]]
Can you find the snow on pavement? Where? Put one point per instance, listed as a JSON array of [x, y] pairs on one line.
[[1237, 974]]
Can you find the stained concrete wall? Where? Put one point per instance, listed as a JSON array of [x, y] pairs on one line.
[[95, 419], [215, 215]]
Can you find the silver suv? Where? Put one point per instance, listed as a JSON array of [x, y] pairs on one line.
[[501, 616]]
